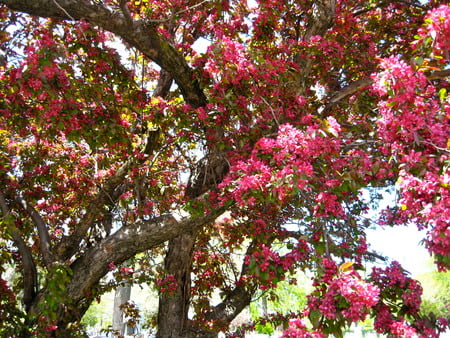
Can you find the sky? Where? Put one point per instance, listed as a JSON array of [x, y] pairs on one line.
[[400, 243]]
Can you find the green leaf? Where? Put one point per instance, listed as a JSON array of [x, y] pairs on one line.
[[443, 94], [314, 317]]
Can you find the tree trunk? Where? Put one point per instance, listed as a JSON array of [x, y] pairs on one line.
[[174, 306], [122, 295]]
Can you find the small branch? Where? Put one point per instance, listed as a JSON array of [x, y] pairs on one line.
[[239, 297], [436, 147], [385, 3], [351, 89], [177, 13], [4, 206], [271, 110], [69, 244], [439, 74], [64, 11], [366, 82]]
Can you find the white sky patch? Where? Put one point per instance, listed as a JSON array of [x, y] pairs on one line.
[[400, 243]]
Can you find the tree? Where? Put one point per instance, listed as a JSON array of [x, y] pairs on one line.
[[119, 137], [435, 298]]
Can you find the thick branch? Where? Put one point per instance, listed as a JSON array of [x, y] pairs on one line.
[[125, 243], [29, 268], [322, 18], [126, 11], [44, 237], [163, 85], [137, 33], [173, 308]]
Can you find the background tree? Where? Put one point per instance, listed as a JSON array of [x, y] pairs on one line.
[[436, 293], [256, 148]]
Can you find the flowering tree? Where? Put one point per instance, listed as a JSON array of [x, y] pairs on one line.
[[129, 152]]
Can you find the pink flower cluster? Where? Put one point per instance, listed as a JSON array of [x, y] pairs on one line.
[[167, 285], [399, 292], [437, 26], [277, 167], [414, 125], [409, 112], [343, 293], [297, 329]]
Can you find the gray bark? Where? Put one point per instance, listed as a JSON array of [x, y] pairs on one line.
[[124, 244]]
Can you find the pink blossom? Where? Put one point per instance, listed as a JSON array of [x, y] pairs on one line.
[[344, 293], [333, 126], [401, 329], [437, 26], [297, 329], [34, 83], [50, 328]]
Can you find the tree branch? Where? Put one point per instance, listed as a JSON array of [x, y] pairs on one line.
[[29, 272], [351, 89], [137, 33], [238, 298], [69, 244], [438, 75], [322, 18], [106, 195], [125, 243], [385, 3], [163, 85], [366, 82], [44, 237], [126, 11]]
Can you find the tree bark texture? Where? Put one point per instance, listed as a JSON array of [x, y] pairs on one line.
[[174, 306]]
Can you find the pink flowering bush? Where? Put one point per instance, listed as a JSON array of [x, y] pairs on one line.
[[213, 148]]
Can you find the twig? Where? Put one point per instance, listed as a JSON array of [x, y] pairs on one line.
[[271, 110], [65, 12], [365, 82], [179, 12]]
